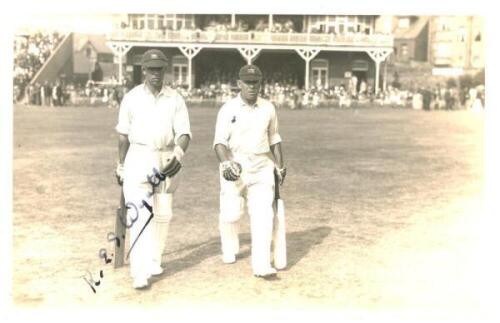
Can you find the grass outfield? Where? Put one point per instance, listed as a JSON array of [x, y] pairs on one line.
[[380, 208]]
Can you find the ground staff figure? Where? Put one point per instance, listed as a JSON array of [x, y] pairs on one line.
[[154, 132], [248, 146]]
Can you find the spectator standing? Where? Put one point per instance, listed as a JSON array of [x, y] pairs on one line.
[[447, 99], [48, 94], [426, 96], [417, 101], [55, 94]]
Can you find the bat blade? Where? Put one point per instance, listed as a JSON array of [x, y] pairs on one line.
[[279, 235], [120, 232]]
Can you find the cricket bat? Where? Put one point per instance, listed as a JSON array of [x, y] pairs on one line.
[[279, 230], [120, 232]]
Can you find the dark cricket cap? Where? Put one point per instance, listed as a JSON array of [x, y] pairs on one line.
[[154, 58], [250, 73]]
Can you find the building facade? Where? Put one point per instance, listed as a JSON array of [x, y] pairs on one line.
[[306, 50], [411, 38], [457, 41]]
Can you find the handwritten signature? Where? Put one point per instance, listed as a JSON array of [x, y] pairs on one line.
[[155, 179]]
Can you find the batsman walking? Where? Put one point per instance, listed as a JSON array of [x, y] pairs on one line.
[[248, 146], [154, 132]]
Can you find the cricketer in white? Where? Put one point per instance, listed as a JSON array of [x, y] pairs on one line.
[[154, 131], [248, 146]]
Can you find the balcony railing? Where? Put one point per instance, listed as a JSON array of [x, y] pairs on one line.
[[251, 37]]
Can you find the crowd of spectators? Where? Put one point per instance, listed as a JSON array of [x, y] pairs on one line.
[[223, 24], [217, 84], [448, 98], [290, 95], [60, 94], [30, 53], [46, 94], [283, 94]]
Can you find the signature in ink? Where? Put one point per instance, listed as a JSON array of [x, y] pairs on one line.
[[154, 180], [90, 280]]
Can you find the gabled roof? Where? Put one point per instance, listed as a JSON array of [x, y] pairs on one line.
[[84, 66], [98, 42], [413, 31]]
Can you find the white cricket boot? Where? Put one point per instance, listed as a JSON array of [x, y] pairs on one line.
[[269, 272], [140, 282]]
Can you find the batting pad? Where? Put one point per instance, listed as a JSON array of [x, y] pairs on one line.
[[230, 242], [162, 209]]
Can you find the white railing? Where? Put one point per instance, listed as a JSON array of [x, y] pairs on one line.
[[251, 37]]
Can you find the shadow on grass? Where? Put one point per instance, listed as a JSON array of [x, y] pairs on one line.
[[299, 243]]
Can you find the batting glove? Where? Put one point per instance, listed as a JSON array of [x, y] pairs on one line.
[[280, 173], [231, 170], [119, 173], [172, 168]]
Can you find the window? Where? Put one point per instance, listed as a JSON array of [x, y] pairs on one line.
[[161, 22], [169, 21], [404, 23], [319, 69], [137, 21], [404, 50], [320, 77], [341, 28], [180, 73], [188, 21], [359, 23], [461, 34], [151, 21]]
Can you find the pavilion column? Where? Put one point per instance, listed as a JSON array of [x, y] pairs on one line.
[[378, 55], [307, 54], [190, 52], [119, 50]]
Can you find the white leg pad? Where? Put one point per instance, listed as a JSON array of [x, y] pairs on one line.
[[162, 208], [229, 237], [260, 209]]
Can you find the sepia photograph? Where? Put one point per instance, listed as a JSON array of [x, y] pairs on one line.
[[279, 159]]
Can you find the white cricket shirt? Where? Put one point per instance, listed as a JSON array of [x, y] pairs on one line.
[[247, 129], [156, 122]]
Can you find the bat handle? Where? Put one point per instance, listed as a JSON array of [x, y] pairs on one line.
[[276, 187]]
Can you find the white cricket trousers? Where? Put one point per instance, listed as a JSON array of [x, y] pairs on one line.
[[147, 252], [255, 188]]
